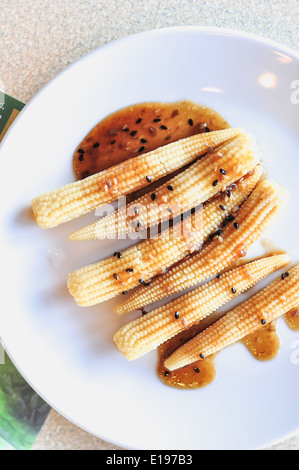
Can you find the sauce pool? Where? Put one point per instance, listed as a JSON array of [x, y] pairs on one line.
[[196, 375], [138, 129], [292, 319], [264, 344]]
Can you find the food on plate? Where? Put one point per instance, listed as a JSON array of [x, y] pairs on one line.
[[267, 305], [219, 168], [227, 246], [78, 198], [138, 264], [197, 198], [149, 331]]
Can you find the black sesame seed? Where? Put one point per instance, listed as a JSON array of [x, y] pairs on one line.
[[81, 157], [218, 276], [129, 270], [133, 133], [283, 276], [222, 171], [115, 276], [169, 210], [138, 121], [176, 315], [119, 255], [236, 225], [196, 370], [141, 281], [115, 253], [112, 142], [125, 129], [148, 179], [169, 187], [201, 356], [143, 312], [153, 196], [263, 322], [190, 122], [163, 127], [157, 120], [136, 210], [96, 145], [81, 151], [144, 141], [215, 183], [229, 218], [146, 284], [141, 149], [233, 290], [139, 224], [166, 373], [223, 208], [287, 274], [207, 129], [228, 193], [124, 292]]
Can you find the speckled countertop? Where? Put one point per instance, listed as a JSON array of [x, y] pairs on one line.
[[39, 38]]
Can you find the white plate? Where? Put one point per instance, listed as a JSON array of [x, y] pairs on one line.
[[66, 352]]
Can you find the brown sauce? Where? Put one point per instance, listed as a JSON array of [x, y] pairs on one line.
[[141, 128], [196, 375], [292, 319], [264, 344]]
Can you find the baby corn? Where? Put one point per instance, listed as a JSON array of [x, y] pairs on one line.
[[126, 270], [251, 221], [81, 197], [149, 331], [278, 298], [209, 175]]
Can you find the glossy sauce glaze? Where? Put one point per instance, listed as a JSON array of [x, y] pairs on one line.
[[141, 128], [196, 375], [292, 319], [264, 344]]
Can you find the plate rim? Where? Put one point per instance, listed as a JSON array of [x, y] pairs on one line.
[[201, 29], [213, 30]]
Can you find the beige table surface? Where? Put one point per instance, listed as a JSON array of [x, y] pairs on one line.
[[39, 38]]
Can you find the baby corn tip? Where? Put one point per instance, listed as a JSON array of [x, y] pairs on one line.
[[255, 148]]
